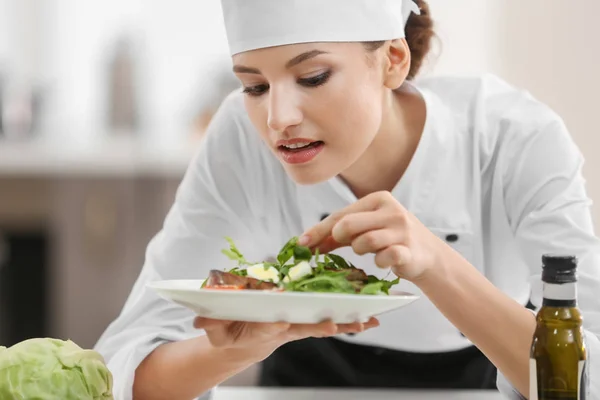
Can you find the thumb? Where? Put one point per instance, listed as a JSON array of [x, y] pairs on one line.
[[209, 324], [269, 330]]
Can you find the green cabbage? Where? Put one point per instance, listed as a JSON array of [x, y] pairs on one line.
[[52, 369]]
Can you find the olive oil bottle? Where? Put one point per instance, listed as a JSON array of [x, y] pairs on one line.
[[558, 358]]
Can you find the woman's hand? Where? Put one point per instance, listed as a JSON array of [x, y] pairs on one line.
[[261, 339], [379, 224], [185, 369]]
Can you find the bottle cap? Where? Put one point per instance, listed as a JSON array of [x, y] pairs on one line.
[[559, 268]]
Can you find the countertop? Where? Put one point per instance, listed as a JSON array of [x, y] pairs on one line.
[[241, 393]]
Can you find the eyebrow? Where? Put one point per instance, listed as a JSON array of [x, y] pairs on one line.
[[241, 69], [303, 57]]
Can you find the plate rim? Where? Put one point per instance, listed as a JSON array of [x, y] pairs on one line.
[[393, 294]]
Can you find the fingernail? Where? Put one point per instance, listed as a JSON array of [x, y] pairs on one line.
[[304, 240]]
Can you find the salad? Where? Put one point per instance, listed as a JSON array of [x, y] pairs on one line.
[[297, 269]]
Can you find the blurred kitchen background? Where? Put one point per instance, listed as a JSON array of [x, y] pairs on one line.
[[102, 104]]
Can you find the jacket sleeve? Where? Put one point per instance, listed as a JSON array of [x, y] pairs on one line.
[[214, 200], [549, 212]]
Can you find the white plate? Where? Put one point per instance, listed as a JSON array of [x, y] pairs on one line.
[[267, 306]]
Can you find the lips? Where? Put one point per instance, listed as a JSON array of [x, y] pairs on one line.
[[294, 142], [299, 150], [299, 146]]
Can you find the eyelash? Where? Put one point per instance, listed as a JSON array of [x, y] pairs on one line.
[[312, 82]]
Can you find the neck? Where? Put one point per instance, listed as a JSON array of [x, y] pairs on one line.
[[560, 295], [384, 162]]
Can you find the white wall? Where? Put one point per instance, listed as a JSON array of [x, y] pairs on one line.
[[550, 48], [4, 38], [175, 41], [22, 27], [467, 36]]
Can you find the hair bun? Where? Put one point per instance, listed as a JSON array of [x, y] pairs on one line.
[[419, 32]]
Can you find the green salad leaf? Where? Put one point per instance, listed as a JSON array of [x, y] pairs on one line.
[[302, 253], [331, 273], [234, 254], [287, 252], [338, 261], [328, 281], [379, 286]]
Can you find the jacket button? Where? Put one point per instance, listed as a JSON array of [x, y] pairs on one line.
[[452, 238]]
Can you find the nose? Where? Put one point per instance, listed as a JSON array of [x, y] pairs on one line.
[[284, 111]]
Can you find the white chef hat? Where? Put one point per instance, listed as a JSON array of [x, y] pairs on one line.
[[255, 24]]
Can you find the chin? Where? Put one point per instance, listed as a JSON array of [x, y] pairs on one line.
[[308, 175]]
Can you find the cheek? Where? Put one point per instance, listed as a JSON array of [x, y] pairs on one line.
[[353, 114], [258, 114]]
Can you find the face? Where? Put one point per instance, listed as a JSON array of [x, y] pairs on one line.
[[317, 106]]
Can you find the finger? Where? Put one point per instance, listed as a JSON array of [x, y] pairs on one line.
[[376, 240], [270, 329], [358, 327], [329, 244], [372, 323], [216, 330], [322, 329], [209, 323], [353, 225], [322, 230], [393, 256]]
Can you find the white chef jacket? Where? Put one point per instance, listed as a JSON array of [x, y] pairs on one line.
[[494, 167]]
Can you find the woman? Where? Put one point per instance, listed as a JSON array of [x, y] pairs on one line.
[[459, 185]]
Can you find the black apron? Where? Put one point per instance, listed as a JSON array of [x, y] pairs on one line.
[[330, 362]]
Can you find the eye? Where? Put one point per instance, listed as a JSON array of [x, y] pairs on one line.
[[315, 81], [257, 90]]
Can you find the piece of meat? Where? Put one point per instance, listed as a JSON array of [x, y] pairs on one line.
[[220, 279], [356, 274]]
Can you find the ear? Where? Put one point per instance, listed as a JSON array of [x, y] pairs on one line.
[[397, 65]]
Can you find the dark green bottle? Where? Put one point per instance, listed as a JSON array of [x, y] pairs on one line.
[[558, 358]]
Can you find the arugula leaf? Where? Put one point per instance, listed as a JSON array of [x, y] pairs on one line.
[[234, 254], [302, 253], [327, 262], [328, 281], [388, 285], [379, 286], [339, 261], [284, 271], [329, 275], [238, 271], [271, 264], [372, 288], [287, 251]]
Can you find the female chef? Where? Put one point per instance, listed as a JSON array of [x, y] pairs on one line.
[[460, 185]]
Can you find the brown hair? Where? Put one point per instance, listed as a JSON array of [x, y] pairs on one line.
[[419, 33]]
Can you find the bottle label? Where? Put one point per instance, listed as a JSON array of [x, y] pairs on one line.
[[583, 386], [533, 386], [564, 291]]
